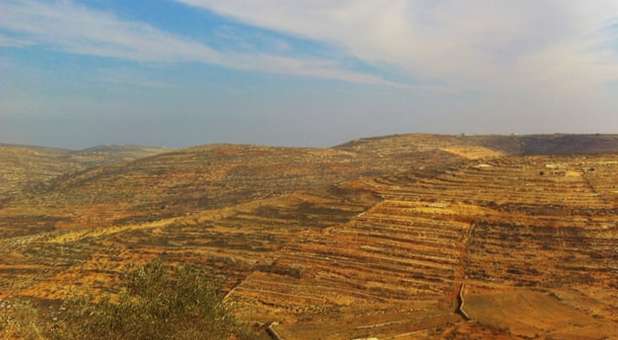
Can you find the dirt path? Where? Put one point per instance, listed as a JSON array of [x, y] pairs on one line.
[[460, 274]]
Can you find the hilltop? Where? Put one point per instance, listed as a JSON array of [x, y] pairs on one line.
[[27, 165], [553, 144]]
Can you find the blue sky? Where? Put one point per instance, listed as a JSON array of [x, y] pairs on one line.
[[184, 72]]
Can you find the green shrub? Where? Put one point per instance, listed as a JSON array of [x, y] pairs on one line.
[[156, 302]]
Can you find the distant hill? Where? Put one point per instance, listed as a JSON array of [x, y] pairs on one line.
[[560, 144], [471, 146], [552, 144], [110, 154], [128, 183], [22, 165]]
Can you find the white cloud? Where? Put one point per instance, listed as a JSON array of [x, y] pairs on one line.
[[77, 29], [526, 48], [522, 57]]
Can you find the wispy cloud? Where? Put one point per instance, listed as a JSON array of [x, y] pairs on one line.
[[73, 28], [490, 46], [6, 41]]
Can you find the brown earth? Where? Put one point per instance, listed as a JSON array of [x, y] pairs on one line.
[[409, 236]]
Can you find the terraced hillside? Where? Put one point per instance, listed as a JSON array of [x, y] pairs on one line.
[[230, 242], [411, 236], [191, 180], [525, 242], [488, 145]]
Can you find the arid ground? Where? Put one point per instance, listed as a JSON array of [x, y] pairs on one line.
[[396, 237]]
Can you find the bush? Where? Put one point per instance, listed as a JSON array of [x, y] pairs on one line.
[[156, 302]]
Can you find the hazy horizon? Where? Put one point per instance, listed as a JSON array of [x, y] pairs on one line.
[[172, 147], [76, 74]]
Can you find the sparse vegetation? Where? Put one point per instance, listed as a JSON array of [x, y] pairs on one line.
[[19, 319], [368, 239], [156, 302]]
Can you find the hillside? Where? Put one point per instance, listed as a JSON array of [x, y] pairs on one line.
[[102, 185], [529, 250], [562, 144], [406, 236], [25, 165], [491, 145], [114, 154], [195, 179]]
